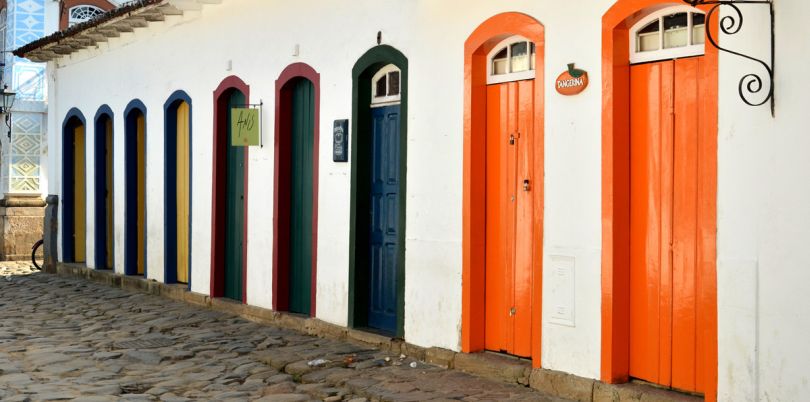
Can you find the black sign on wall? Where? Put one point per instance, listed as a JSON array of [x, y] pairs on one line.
[[340, 145]]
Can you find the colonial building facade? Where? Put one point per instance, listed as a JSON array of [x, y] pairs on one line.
[[23, 139], [421, 172]]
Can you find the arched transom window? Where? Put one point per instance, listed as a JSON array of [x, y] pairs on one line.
[[385, 88], [83, 13], [511, 60], [670, 33]]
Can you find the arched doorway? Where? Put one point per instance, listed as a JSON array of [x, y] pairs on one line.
[[74, 190], [296, 190], [177, 188], [379, 155], [104, 188], [659, 164], [503, 187], [135, 188], [229, 209]]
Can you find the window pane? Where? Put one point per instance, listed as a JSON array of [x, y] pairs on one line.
[[675, 30], [499, 62], [520, 57], [648, 37], [654, 26], [698, 29], [393, 83], [381, 87], [532, 57]]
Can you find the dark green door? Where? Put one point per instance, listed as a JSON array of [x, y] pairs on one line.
[[301, 164], [234, 206]]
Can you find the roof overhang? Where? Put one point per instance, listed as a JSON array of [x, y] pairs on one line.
[[135, 14]]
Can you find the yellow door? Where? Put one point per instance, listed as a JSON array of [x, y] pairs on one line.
[[182, 191], [108, 197], [79, 208], [141, 193]]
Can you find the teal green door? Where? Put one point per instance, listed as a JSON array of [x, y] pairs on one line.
[[235, 207], [301, 186]]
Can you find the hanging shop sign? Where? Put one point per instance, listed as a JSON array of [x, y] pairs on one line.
[[246, 126], [340, 143], [572, 81]]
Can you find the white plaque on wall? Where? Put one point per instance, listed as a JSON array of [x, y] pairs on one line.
[[562, 285]]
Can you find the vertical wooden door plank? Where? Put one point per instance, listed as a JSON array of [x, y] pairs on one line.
[[79, 196], [182, 189], [645, 219], [524, 222], [497, 142]]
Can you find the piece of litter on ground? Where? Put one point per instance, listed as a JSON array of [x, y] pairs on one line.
[[413, 364], [317, 362], [388, 359]]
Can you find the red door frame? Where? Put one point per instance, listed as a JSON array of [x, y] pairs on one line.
[[615, 364], [282, 180], [478, 44], [218, 190]]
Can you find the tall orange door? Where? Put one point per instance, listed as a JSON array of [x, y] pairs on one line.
[[509, 237], [666, 206]]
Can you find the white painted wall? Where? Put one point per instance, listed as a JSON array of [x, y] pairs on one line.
[[763, 194], [763, 217]]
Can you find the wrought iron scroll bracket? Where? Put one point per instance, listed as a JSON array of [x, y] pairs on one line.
[[750, 84]]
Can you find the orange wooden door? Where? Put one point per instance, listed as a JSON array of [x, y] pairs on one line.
[[665, 120], [509, 236]]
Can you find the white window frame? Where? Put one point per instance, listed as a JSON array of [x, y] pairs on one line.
[[73, 21], [519, 76], [388, 100], [665, 54]]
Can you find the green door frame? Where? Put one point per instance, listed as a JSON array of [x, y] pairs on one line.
[[362, 72]]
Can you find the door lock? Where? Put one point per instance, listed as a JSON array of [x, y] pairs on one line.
[[526, 185], [511, 139], [512, 312]]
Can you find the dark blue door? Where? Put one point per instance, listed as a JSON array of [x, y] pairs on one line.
[[382, 309]]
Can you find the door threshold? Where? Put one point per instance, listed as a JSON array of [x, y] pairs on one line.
[[664, 387], [377, 331], [508, 356]]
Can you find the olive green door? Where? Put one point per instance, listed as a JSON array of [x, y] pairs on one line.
[[301, 169], [234, 206]]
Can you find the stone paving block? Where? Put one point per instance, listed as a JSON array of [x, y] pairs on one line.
[[285, 398], [562, 384], [440, 357], [297, 369], [493, 366]]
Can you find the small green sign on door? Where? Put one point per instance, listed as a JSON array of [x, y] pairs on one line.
[[245, 127]]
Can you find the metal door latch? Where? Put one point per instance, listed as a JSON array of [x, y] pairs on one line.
[[526, 185], [512, 312], [511, 139]]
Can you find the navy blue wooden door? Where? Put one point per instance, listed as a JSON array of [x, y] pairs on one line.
[[382, 307]]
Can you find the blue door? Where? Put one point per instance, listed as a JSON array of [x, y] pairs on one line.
[[382, 308]]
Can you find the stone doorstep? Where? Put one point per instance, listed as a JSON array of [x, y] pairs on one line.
[[488, 365]]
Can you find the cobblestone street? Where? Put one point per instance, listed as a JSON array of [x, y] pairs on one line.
[[67, 339]]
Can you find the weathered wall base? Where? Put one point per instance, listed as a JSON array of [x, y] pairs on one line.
[[21, 225], [488, 365]]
